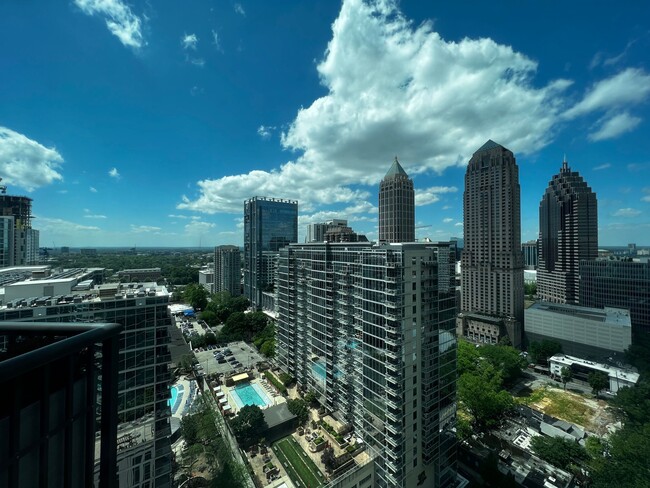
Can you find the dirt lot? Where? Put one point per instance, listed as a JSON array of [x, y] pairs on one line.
[[583, 410]]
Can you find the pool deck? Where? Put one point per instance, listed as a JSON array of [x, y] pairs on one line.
[[269, 389], [185, 394]]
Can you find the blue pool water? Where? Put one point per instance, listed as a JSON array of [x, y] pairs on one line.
[[248, 394], [172, 400]]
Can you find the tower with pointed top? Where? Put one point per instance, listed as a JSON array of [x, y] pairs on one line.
[[492, 297], [396, 206], [568, 233]]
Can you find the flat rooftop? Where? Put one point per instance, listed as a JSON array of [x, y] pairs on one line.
[[609, 315]]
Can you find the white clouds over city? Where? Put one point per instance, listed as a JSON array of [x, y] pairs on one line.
[[120, 20], [27, 163], [393, 87]]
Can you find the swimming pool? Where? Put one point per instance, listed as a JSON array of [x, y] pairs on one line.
[[172, 400], [250, 394]]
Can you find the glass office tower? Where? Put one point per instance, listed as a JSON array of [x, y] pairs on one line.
[[269, 225]]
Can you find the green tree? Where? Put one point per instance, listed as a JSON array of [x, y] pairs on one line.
[[598, 381], [559, 451], [482, 396], [506, 360], [299, 408], [249, 425], [268, 349], [541, 351], [196, 296], [626, 464], [566, 374], [468, 357], [633, 404]]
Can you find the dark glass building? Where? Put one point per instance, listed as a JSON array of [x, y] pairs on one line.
[[269, 225], [144, 456], [56, 422], [568, 234], [492, 267], [396, 206], [623, 284]]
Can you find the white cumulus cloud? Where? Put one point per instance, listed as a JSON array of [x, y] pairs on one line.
[[119, 18], [26, 163], [425, 196], [603, 166], [396, 88], [626, 212], [144, 228], [114, 173], [615, 126], [239, 9], [628, 87], [189, 41]]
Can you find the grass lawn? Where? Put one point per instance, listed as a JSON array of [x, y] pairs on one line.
[[302, 468], [560, 404]]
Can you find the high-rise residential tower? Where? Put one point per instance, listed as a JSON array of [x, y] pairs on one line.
[[17, 211], [396, 206], [269, 225], [141, 366], [227, 270], [370, 328], [492, 297], [568, 234]]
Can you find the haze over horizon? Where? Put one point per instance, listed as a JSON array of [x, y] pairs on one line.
[[131, 124]]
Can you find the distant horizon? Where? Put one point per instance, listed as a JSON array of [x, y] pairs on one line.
[[603, 246]]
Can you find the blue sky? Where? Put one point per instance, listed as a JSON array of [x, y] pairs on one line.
[[149, 123]]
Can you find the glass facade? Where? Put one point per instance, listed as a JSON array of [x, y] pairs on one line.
[[620, 284], [144, 449], [568, 233], [372, 330], [269, 225]]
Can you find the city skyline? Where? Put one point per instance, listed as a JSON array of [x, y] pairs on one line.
[[154, 128]]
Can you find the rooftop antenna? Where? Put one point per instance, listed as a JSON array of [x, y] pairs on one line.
[[565, 164]]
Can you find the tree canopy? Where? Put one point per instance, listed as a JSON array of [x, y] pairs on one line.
[[196, 296], [541, 351], [482, 396], [598, 381], [249, 425], [299, 408], [559, 451]]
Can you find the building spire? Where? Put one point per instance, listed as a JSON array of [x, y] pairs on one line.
[[565, 164]]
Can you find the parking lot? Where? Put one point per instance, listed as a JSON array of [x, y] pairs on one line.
[[241, 356]]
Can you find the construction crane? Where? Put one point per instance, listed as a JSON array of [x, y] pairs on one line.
[[3, 188], [422, 226]]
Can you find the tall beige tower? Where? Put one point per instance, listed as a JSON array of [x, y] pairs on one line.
[[396, 206], [492, 297]]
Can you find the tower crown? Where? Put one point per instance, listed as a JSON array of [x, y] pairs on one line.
[[396, 169]]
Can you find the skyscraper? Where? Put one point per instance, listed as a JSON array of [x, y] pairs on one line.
[[227, 270], [568, 233], [370, 328], [269, 225], [18, 211], [492, 298], [396, 206], [142, 366]]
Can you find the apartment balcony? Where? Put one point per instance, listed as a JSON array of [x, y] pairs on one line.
[[393, 402], [395, 417], [393, 341]]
